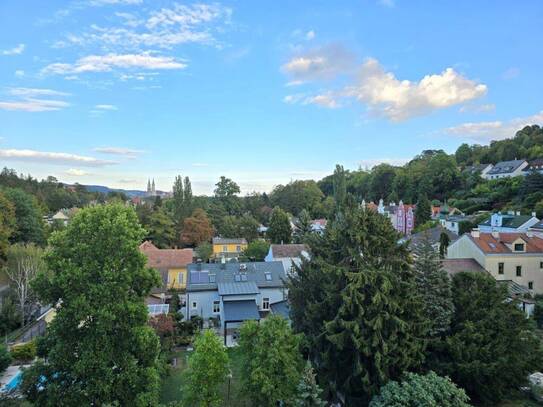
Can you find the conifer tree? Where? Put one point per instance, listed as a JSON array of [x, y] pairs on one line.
[[434, 286], [356, 303], [303, 225], [308, 390], [279, 230], [423, 210], [444, 241]]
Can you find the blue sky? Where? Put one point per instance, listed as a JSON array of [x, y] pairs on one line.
[[112, 92]]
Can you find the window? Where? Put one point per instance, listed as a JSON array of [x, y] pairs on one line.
[[237, 277], [216, 307], [268, 276], [212, 278], [225, 248], [238, 248], [500, 268], [541, 264], [180, 277], [531, 285], [265, 304], [519, 247], [194, 305], [519, 271], [244, 277]]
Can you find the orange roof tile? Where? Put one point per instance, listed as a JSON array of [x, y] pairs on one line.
[[490, 244]]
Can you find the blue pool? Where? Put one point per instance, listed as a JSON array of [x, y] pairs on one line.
[[14, 382]]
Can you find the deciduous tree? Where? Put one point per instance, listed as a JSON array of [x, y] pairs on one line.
[[196, 228], [279, 230], [257, 249]]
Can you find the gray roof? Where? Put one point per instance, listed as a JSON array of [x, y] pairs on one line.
[[247, 287], [222, 240], [281, 308], [262, 274], [238, 311], [433, 235], [509, 221], [538, 225], [476, 168], [505, 167]]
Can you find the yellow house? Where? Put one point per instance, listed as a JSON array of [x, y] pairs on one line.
[[170, 263], [228, 248]]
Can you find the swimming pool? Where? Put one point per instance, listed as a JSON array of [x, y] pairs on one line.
[[14, 382]]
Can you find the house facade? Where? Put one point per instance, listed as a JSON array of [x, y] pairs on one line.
[[230, 293], [401, 216], [510, 222], [228, 248], [506, 169], [288, 254], [534, 165], [517, 257], [170, 263]]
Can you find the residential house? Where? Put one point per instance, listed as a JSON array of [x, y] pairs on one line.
[[537, 229], [228, 248], [506, 169], [433, 235], [401, 216], [288, 254], [62, 216], [170, 263], [534, 165], [230, 293], [506, 256], [318, 226], [510, 222], [481, 169], [452, 223]]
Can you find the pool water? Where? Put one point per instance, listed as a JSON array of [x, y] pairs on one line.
[[14, 382]]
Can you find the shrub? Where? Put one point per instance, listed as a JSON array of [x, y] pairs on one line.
[[5, 358], [24, 352]]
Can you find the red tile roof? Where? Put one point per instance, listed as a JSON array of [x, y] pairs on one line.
[[490, 244], [288, 250], [166, 258]]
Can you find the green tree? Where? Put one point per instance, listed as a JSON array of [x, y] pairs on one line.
[[257, 249], [248, 227], [99, 349], [429, 390], [197, 228], [297, 195], [492, 346], [208, 369], [160, 229], [7, 224], [29, 224], [5, 358], [423, 211], [272, 364], [178, 199], [308, 391], [357, 305], [303, 226], [204, 251], [444, 241], [279, 230], [340, 185], [434, 287], [226, 192]]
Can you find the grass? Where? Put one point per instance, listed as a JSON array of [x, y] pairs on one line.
[[173, 384]]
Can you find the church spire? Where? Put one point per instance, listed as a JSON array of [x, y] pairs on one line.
[[153, 187]]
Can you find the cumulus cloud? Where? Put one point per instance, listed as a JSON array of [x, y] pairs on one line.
[[106, 63], [76, 172], [15, 50], [403, 99], [493, 130], [34, 100], [320, 63], [129, 152], [322, 100], [52, 158], [106, 107]]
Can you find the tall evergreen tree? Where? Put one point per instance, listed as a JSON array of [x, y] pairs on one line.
[[187, 198], [444, 241], [279, 230], [423, 212], [340, 186], [303, 226], [178, 200], [98, 349], [309, 392], [434, 286], [356, 303]]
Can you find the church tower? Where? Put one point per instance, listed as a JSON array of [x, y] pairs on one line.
[[153, 191], [148, 187]]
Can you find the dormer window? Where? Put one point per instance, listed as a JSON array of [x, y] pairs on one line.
[[519, 247]]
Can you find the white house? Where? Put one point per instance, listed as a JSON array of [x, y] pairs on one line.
[[288, 254], [510, 222], [231, 293], [505, 169]]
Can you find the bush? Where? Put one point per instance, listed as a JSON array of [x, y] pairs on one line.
[[5, 358], [24, 352], [429, 390]]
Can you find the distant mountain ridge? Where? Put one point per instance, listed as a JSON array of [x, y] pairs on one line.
[[105, 190]]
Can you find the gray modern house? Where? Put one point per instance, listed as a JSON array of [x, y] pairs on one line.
[[231, 293]]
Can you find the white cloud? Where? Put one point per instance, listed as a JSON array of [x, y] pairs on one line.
[[15, 50], [106, 107], [400, 100], [32, 100], [52, 158], [310, 35], [291, 99], [129, 152], [372, 162], [106, 63], [76, 172], [387, 3], [493, 130], [322, 100], [19, 73], [485, 108], [321, 63]]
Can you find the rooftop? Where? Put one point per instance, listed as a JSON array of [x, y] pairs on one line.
[[222, 240], [166, 258], [455, 266], [505, 167], [509, 221], [500, 242], [288, 250], [433, 234]]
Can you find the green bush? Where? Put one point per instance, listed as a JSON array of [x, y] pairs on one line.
[[24, 352], [5, 358]]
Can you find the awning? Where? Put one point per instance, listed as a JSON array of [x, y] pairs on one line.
[[239, 311]]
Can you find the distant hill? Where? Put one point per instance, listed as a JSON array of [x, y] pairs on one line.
[[105, 190]]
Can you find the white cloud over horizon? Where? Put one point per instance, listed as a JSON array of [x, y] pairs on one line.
[[76, 172], [106, 107], [34, 100], [56, 158], [17, 50]]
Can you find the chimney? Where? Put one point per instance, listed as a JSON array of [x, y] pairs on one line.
[[495, 234], [533, 214], [529, 234], [475, 233], [223, 263]]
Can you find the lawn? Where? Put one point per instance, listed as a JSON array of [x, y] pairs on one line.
[[172, 385]]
